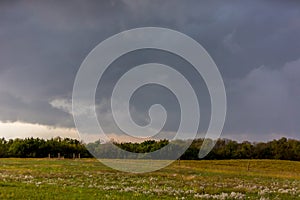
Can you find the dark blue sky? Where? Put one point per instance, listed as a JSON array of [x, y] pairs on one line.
[[255, 44]]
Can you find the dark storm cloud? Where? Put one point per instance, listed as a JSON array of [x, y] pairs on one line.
[[255, 45], [32, 111], [266, 101]]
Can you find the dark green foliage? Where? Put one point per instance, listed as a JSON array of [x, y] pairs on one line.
[[283, 149], [144, 147], [40, 148]]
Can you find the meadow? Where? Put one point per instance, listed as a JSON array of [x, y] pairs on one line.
[[89, 179]]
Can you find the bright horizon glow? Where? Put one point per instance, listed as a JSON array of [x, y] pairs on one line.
[[11, 130]]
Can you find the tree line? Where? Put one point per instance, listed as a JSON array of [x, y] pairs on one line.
[[41, 148], [283, 149]]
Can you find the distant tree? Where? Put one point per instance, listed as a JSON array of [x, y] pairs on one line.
[[283, 148]]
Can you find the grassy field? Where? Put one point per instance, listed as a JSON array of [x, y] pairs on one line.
[[89, 179]]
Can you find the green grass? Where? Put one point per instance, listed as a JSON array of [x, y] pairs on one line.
[[89, 179]]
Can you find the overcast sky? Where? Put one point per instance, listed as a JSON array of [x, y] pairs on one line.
[[255, 45]]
